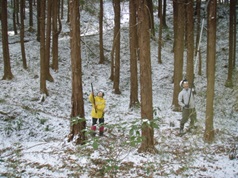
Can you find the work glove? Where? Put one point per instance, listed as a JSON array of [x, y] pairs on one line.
[[194, 91]]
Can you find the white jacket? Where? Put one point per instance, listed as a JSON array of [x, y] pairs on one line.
[[183, 98]]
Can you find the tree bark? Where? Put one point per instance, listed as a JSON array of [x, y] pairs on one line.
[[178, 52], [62, 9], [235, 35], [14, 17], [22, 33], [38, 19], [175, 21], [101, 61], [43, 61], [133, 55], [68, 12], [30, 13], [147, 144], [150, 6], [5, 48], [198, 14], [117, 9], [211, 59], [164, 13], [232, 41], [160, 33], [162, 7], [55, 36], [48, 41], [17, 12], [77, 112], [190, 42]]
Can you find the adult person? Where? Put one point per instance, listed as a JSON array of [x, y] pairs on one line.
[[97, 113], [186, 101]]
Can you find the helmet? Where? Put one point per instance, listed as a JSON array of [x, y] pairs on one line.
[[182, 82]]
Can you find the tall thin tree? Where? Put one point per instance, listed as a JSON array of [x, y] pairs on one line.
[[147, 144], [164, 13], [175, 21], [117, 37], [190, 41], [101, 61], [178, 50], [211, 60], [68, 11], [232, 40], [14, 14], [17, 11], [38, 19], [48, 41], [235, 36], [43, 61], [198, 52], [162, 4], [56, 29], [160, 33], [22, 34], [133, 55], [77, 112], [62, 9], [30, 13], [150, 6], [5, 48]]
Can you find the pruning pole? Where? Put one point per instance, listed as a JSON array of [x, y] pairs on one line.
[[200, 39], [196, 57], [93, 98], [199, 43]]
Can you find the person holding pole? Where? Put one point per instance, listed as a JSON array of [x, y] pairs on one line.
[[186, 101], [97, 113]]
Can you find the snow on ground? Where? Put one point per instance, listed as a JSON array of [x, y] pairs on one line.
[[34, 134]]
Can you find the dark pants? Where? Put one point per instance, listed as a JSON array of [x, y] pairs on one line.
[[188, 113], [101, 122]]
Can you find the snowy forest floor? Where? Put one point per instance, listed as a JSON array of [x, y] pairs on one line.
[[33, 134]]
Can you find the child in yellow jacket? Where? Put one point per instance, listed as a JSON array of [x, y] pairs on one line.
[[97, 113]]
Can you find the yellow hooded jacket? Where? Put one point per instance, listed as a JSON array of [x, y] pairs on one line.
[[100, 103]]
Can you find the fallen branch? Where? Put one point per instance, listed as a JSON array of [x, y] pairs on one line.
[[4, 113], [8, 114], [25, 41]]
